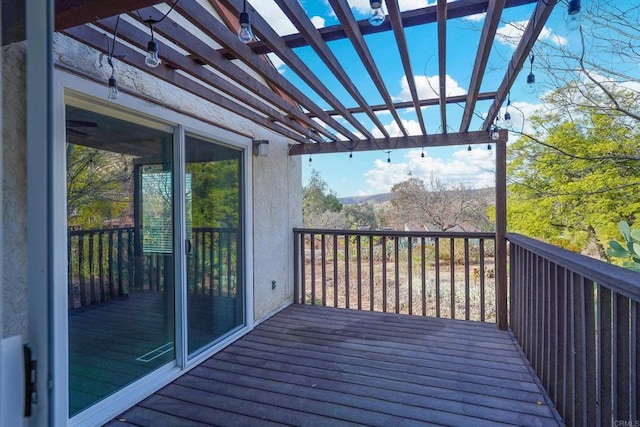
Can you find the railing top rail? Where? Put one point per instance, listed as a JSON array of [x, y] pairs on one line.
[[116, 229], [391, 233], [619, 279]]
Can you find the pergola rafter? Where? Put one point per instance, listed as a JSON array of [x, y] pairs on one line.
[[257, 91]]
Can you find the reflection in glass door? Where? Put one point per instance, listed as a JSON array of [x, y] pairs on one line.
[[214, 233], [120, 254]]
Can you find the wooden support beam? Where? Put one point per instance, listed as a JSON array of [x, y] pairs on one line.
[[398, 32], [442, 62], [201, 18], [299, 18], [95, 38], [262, 28], [416, 141], [351, 28], [410, 18], [489, 29], [501, 232], [423, 103], [531, 33]]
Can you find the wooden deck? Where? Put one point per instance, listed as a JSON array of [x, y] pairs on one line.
[[326, 366]]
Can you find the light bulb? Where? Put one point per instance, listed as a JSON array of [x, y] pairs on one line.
[[507, 119], [495, 135], [152, 59], [469, 147], [245, 34], [531, 84], [113, 93], [574, 17], [489, 148], [376, 15]]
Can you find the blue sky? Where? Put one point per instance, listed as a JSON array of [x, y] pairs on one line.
[[370, 172]]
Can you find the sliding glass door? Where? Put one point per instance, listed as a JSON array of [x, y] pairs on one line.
[[120, 253], [214, 231]]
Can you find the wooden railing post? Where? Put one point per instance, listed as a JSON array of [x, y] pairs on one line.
[[501, 230]]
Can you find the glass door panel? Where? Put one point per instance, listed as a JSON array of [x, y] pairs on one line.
[[215, 286], [120, 253]]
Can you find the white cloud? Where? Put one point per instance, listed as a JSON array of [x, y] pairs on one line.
[[475, 168], [475, 18], [412, 126], [318, 21], [274, 16], [428, 87], [276, 61], [511, 33], [363, 7]]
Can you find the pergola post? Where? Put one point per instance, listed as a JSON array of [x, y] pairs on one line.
[[501, 230]]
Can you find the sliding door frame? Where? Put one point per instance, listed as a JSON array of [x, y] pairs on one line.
[[73, 90]]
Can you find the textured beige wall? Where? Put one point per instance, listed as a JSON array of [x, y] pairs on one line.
[[276, 179], [14, 187], [277, 198]]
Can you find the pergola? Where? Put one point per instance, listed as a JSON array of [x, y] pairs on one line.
[[193, 63]]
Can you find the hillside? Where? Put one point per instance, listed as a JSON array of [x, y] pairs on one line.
[[376, 199]]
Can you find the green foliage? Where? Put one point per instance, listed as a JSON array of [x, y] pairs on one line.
[[320, 205], [215, 193], [629, 252], [361, 214], [573, 178], [99, 186]]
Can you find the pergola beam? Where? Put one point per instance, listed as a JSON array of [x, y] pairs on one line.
[[400, 142], [442, 61], [484, 50], [410, 18]]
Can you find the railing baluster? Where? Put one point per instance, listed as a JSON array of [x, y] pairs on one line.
[[437, 263], [323, 256], [359, 270], [83, 291], [466, 279], [410, 272], [100, 265], [335, 270], [92, 282], [622, 351], [423, 269], [452, 277], [346, 271], [371, 274], [312, 251], [396, 268], [481, 275], [298, 272], [303, 276], [635, 359], [605, 355], [384, 274], [580, 349]]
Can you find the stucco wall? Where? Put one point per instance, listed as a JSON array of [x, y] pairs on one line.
[[277, 199], [276, 178], [14, 187]]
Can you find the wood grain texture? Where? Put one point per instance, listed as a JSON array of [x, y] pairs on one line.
[[311, 365]]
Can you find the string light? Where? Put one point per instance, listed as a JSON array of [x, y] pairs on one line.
[[531, 78], [245, 33], [152, 59], [376, 15], [389, 157], [507, 115], [574, 17], [112, 83], [469, 147]]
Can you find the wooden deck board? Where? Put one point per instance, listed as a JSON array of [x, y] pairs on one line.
[[326, 366]]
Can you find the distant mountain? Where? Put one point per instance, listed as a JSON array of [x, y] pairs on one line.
[[375, 199]]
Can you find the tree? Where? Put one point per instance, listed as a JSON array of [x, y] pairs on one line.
[[361, 214], [437, 204], [573, 180], [320, 205]]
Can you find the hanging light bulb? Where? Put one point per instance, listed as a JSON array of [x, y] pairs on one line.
[[152, 59], [310, 160], [376, 15], [388, 157], [489, 148], [495, 135], [113, 93], [245, 34], [531, 79], [507, 120], [469, 147], [507, 115], [574, 17], [351, 155], [422, 153]]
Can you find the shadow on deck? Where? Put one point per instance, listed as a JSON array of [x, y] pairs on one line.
[[312, 365]]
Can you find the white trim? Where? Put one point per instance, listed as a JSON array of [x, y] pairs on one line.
[[39, 66], [83, 93], [180, 236]]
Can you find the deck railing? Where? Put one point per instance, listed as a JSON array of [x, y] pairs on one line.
[[577, 320], [107, 263], [421, 273]]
